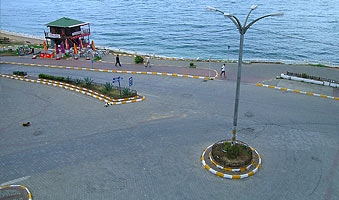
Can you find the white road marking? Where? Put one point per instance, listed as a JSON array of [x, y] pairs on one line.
[[15, 180], [149, 95]]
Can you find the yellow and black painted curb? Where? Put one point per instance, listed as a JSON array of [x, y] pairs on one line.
[[111, 71], [241, 172], [297, 91], [107, 100], [18, 186]]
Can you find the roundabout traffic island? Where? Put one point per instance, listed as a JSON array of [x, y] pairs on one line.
[[233, 162]]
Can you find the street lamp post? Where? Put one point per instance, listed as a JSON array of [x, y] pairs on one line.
[[242, 30]]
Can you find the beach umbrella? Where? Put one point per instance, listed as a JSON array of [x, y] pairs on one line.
[[67, 45], [62, 47], [45, 46], [75, 49], [93, 46], [80, 45], [56, 49]]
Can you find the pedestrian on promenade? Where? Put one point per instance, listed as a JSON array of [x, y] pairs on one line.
[[223, 70], [148, 62], [117, 60]]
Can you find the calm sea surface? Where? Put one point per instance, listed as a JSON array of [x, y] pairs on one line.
[[309, 30]]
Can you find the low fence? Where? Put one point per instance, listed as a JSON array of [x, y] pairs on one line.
[[304, 75]]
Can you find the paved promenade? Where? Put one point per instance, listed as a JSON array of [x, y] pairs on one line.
[[110, 66], [76, 148]]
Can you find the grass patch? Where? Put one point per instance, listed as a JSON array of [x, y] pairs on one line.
[[9, 52], [20, 73], [138, 59], [192, 65], [107, 89], [97, 58], [233, 156], [318, 65]]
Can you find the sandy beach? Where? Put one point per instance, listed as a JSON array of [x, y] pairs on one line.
[[20, 38]]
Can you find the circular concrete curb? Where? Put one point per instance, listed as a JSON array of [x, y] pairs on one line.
[[230, 169], [18, 186], [230, 173], [111, 71], [108, 101]]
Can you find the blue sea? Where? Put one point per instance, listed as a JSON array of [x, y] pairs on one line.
[[309, 30]]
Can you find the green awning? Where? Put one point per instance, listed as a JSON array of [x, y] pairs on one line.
[[66, 23]]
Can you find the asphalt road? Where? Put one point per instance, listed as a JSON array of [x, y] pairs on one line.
[[76, 148]]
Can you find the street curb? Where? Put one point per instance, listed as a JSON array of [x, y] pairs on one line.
[[110, 71], [22, 187], [90, 91], [297, 91], [223, 175], [107, 101]]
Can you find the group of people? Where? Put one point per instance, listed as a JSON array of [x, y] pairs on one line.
[[148, 64]]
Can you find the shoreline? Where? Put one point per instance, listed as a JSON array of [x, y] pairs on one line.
[[22, 37], [31, 39]]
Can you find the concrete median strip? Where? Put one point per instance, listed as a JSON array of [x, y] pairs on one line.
[[297, 91], [111, 71], [107, 100], [16, 187]]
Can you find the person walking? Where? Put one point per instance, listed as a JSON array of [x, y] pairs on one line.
[[148, 62], [223, 70], [117, 60]]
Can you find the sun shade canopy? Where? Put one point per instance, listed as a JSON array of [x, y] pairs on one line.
[[66, 23]]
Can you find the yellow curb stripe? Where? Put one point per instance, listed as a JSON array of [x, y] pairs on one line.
[[56, 84], [219, 174], [299, 92], [114, 71], [251, 173], [20, 186], [236, 177]]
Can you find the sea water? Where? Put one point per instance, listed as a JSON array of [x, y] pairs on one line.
[[309, 30]]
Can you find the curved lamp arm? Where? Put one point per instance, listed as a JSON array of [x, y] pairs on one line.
[[270, 15], [235, 21]]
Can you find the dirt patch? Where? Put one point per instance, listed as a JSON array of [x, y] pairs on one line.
[[221, 157]]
